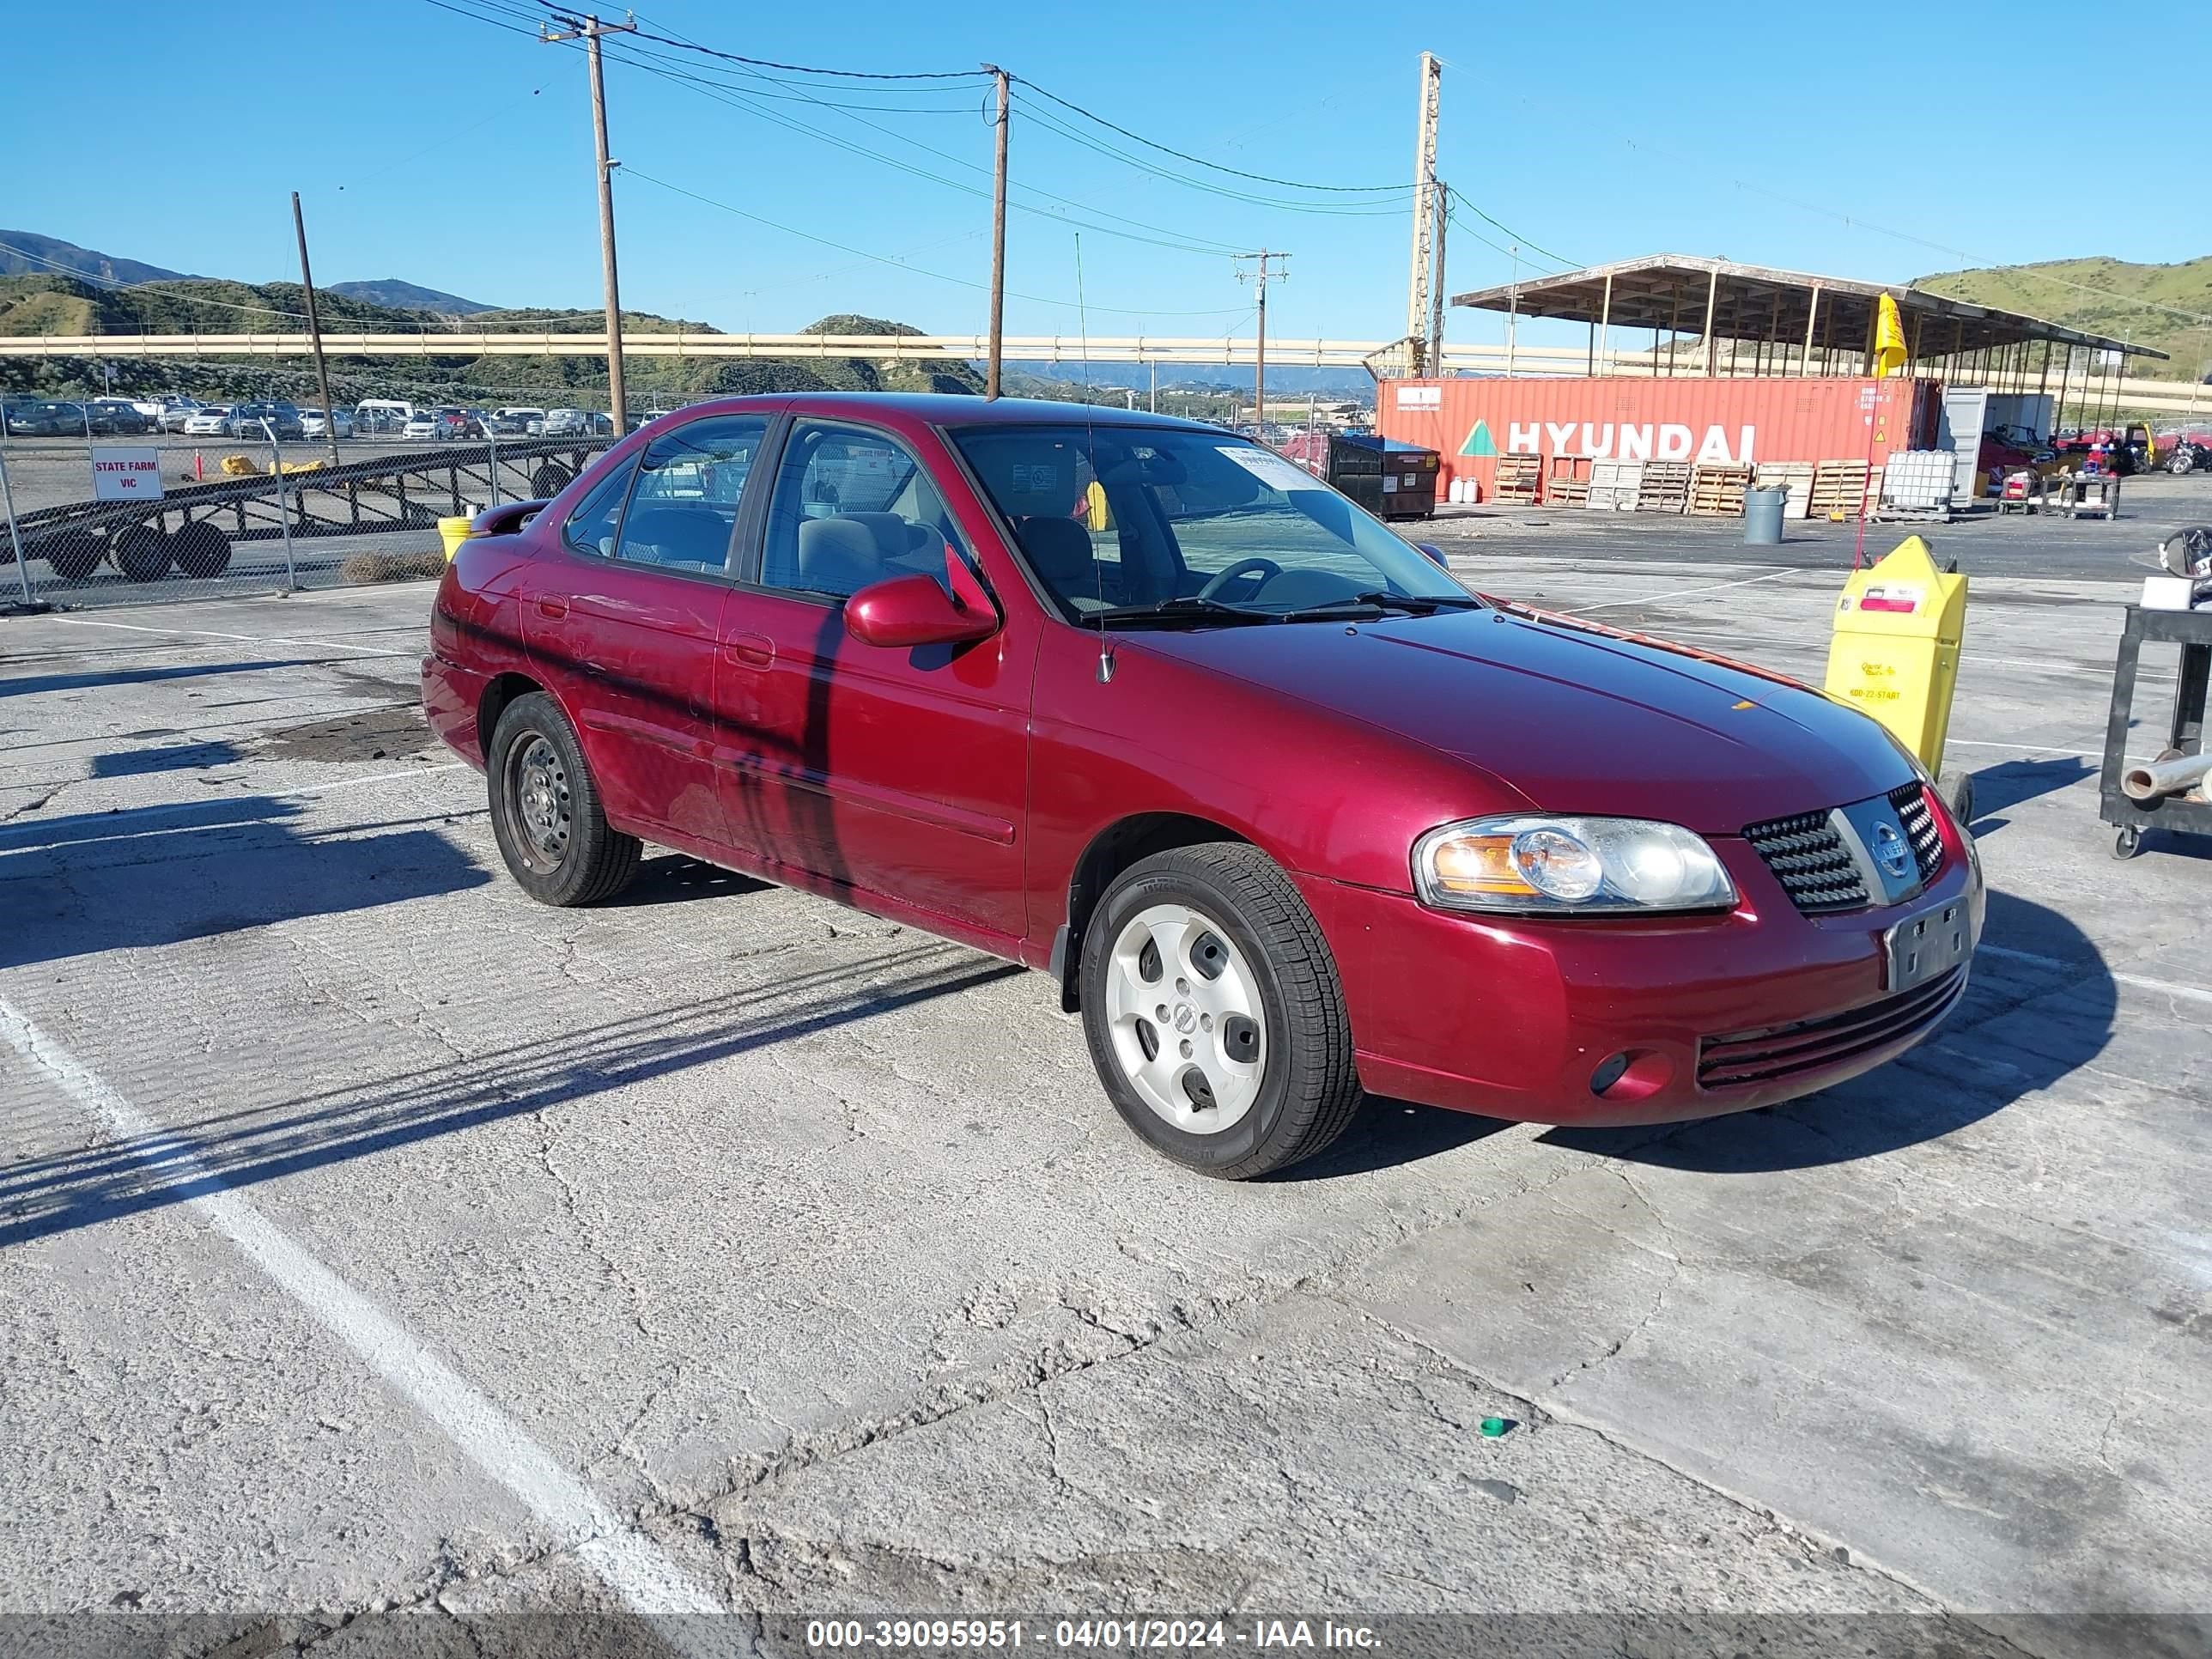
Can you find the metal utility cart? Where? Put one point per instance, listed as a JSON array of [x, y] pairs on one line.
[[2188, 812]]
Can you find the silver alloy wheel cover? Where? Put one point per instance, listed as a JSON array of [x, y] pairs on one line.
[[1194, 1017]]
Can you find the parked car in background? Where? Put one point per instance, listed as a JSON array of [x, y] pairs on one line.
[[175, 412], [420, 426], [151, 410], [208, 421], [115, 415], [46, 417], [281, 418], [1288, 814], [517, 422], [381, 417], [2187, 450], [566, 423], [312, 424]]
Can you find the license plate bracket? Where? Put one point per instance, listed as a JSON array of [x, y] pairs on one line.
[[1926, 946]]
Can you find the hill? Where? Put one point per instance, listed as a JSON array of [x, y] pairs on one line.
[[26, 252], [2132, 302], [408, 296]]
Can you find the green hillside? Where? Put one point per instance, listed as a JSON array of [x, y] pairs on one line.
[[2055, 291], [55, 304]]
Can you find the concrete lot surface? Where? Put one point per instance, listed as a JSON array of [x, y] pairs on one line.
[[381, 1252]]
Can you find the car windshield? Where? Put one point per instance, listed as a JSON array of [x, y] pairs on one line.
[[1143, 521]]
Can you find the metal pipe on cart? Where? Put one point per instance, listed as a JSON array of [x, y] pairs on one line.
[[2153, 779], [283, 507], [15, 535]]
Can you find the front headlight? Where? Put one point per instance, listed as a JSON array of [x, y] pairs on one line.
[[1527, 864]]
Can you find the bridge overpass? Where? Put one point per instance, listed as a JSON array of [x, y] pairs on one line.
[[1229, 351]]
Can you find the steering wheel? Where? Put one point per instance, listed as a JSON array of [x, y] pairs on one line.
[[1266, 569]]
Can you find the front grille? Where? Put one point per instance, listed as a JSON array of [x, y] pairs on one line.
[[1810, 860], [1812, 1045], [1911, 802]]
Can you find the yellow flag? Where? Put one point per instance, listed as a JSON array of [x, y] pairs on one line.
[[1889, 352]]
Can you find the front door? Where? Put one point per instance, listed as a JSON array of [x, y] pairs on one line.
[[857, 769], [629, 622]]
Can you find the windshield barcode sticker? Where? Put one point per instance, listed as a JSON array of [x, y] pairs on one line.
[[1269, 468]]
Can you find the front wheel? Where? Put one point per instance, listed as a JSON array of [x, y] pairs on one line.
[[545, 811], [1215, 1016]]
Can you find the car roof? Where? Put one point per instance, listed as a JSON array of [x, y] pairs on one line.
[[949, 409]]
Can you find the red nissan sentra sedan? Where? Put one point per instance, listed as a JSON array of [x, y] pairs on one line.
[[1288, 812]]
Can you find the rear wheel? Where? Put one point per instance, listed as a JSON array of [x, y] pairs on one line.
[[74, 554], [1214, 1015], [545, 811], [201, 549], [2184, 459]]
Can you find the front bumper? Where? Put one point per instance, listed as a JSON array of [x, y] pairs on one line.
[[1509, 1017]]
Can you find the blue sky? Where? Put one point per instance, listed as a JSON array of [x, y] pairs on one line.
[[456, 154]]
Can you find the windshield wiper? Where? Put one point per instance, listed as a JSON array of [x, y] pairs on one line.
[[1186, 608], [1379, 601]]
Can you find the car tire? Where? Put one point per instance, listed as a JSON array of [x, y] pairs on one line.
[[1211, 944], [550, 480], [545, 809], [140, 551], [74, 554], [202, 549]]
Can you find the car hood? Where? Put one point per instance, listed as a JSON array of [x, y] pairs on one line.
[[1576, 719]]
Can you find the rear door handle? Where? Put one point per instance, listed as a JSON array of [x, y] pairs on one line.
[[748, 651], [556, 609]]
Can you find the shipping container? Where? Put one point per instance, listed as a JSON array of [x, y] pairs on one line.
[[1572, 422]]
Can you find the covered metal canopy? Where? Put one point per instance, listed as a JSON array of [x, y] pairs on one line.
[[1678, 292]]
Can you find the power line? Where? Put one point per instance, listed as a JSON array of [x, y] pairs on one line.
[[1199, 160], [897, 264]]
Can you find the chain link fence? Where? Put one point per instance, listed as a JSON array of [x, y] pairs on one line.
[[129, 518]]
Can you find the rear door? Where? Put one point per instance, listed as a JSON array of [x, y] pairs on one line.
[[853, 768], [630, 624]]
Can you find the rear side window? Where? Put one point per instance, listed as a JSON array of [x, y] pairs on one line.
[[684, 509], [591, 528]]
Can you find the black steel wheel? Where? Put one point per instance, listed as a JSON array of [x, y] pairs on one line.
[[550, 480], [140, 551], [201, 549], [545, 811]]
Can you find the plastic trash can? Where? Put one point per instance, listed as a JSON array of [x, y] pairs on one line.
[[454, 531], [1762, 516]]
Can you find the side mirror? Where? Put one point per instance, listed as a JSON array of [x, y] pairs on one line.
[[1436, 554], [902, 611]]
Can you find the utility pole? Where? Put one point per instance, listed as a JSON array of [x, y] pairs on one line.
[[1424, 214], [1437, 290], [589, 30], [998, 237], [315, 332], [1258, 277]]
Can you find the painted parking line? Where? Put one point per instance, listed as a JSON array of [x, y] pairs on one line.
[[1684, 592], [631, 1564], [2140, 981], [248, 639]]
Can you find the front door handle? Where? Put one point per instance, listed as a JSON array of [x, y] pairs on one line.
[[748, 651], [556, 609]]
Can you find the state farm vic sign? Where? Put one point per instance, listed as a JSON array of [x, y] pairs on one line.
[[127, 473], [1616, 440]]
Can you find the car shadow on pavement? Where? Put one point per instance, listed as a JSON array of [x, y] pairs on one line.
[[2041, 1004], [679, 878], [1389, 1133], [140, 876], [84, 1185], [25, 685]]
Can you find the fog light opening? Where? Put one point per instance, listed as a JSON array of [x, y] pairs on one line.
[[1631, 1074]]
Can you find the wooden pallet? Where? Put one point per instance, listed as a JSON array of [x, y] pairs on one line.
[[1566, 490], [1717, 492], [1665, 487], [1839, 487], [1613, 485], [1517, 479], [1795, 478]]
